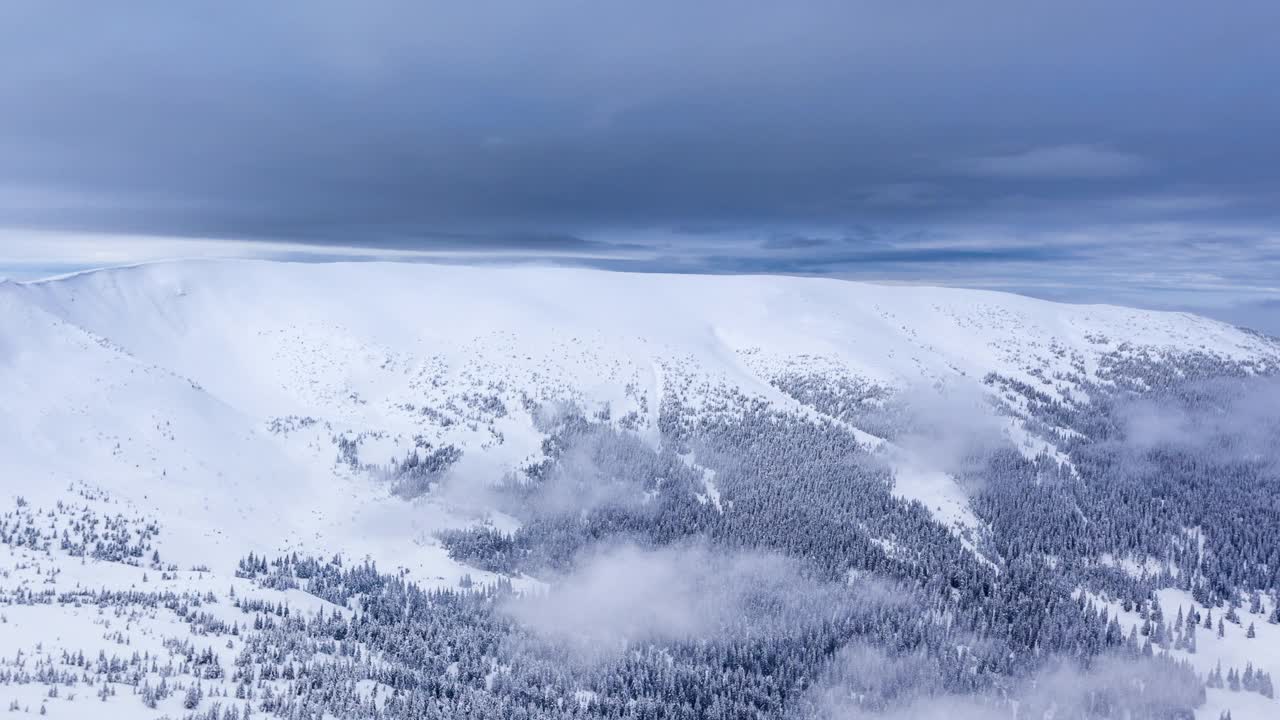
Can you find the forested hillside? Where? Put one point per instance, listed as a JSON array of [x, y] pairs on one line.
[[233, 491]]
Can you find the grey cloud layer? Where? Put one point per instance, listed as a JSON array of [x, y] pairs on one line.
[[1115, 151], [328, 120]]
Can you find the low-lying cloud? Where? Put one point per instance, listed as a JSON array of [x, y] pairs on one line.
[[626, 593], [943, 427], [865, 683], [1234, 418]]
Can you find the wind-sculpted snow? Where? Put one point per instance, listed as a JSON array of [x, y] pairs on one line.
[[406, 491]]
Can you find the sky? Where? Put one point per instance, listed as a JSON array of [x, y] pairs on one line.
[[1084, 151]]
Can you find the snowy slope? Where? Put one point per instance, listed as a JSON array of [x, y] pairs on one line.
[[221, 353], [216, 397], [184, 385]]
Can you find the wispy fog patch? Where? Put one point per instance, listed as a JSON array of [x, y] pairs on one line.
[[867, 684], [945, 427], [593, 473], [1234, 418], [587, 465], [626, 593], [469, 491], [864, 678], [1120, 687], [590, 464], [950, 707]]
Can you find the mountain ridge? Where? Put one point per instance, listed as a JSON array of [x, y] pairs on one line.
[[367, 410], [271, 341]]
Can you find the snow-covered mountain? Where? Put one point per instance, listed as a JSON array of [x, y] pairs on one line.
[[213, 391], [245, 407]]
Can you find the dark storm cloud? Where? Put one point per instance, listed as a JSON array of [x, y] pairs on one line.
[[383, 122], [1088, 149]]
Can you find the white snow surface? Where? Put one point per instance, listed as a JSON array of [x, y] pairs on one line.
[[180, 386], [207, 395], [1233, 650]]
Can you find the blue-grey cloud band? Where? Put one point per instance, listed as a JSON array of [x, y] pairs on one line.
[[555, 127]]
